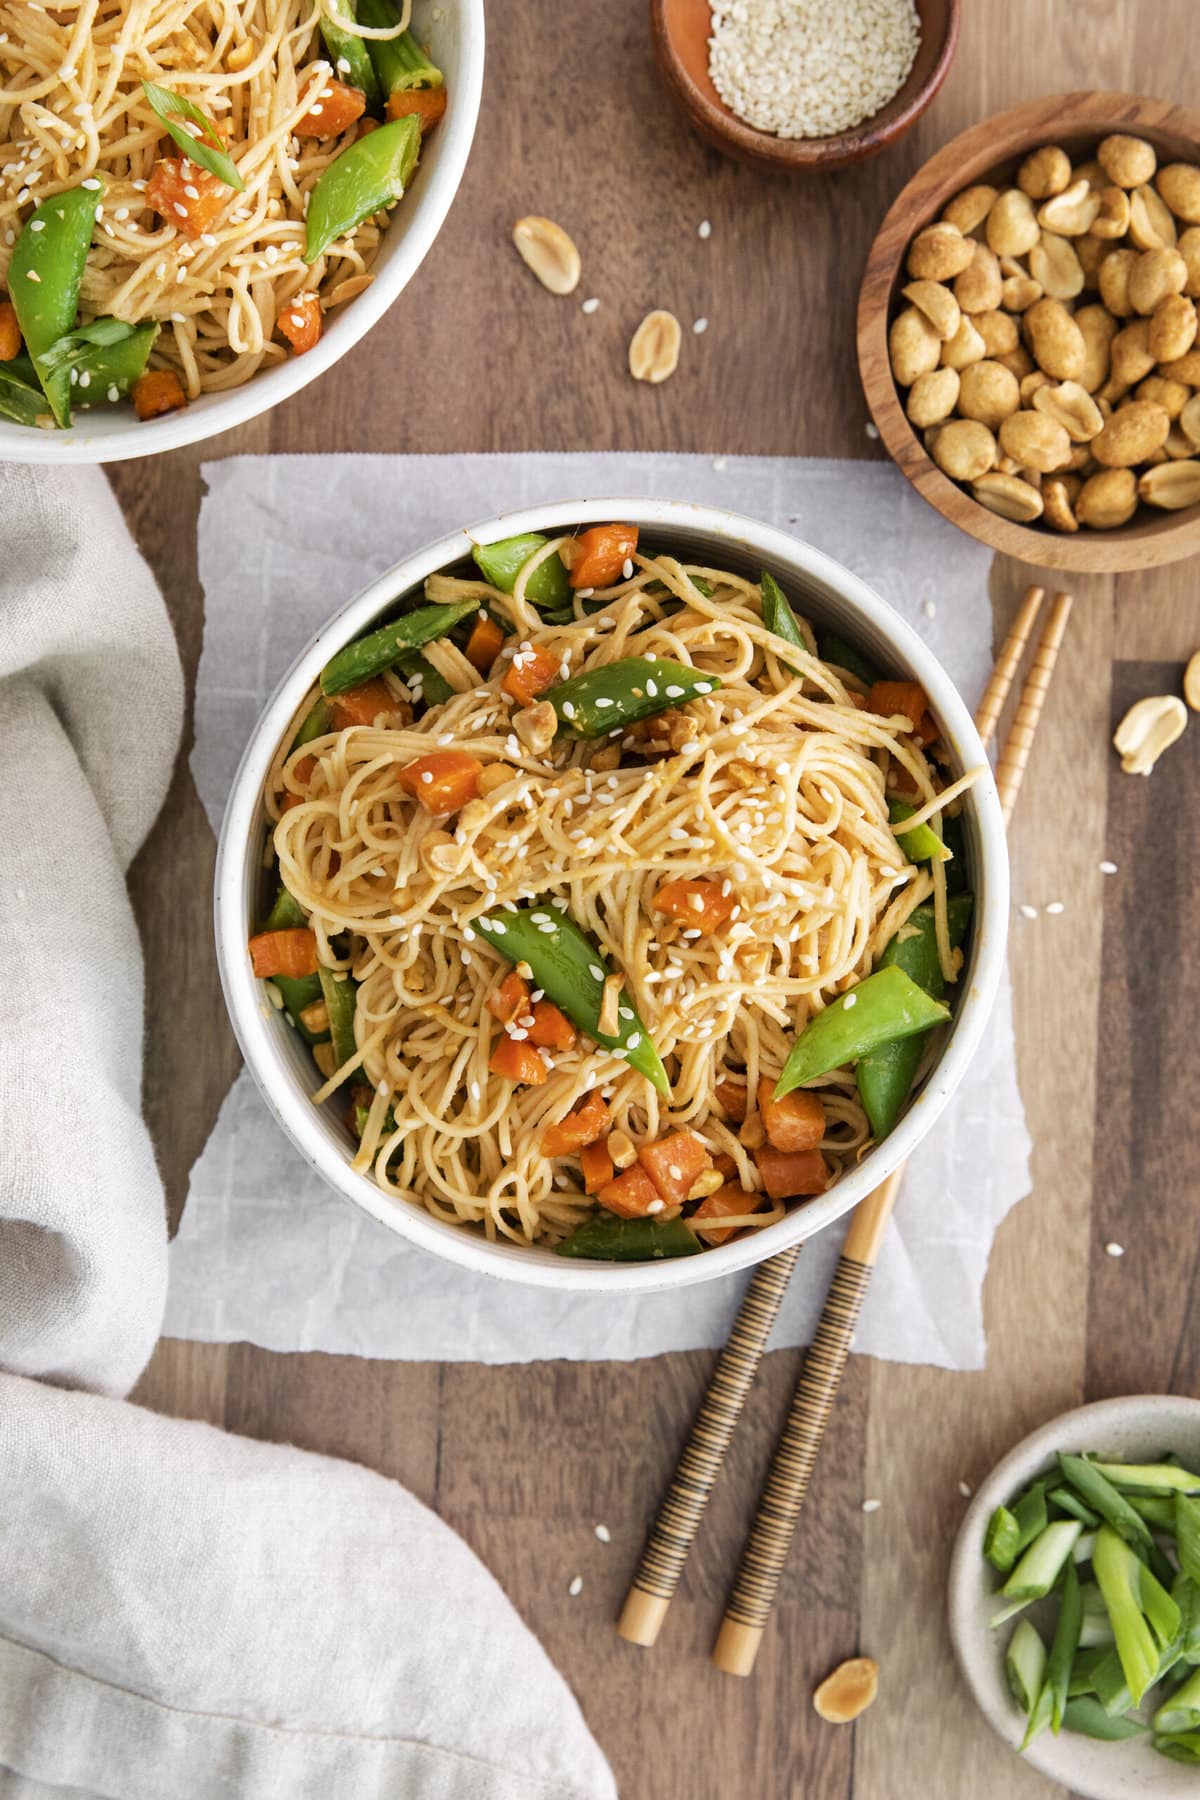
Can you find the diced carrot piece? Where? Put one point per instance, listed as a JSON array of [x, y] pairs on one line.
[[363, 705], [732, 1095], [787, 1173], [304, 768], [551, 1028], [424, 104], [887, 698], [725, 1165], [300, 322], [730, 1201], [510, 998], [596, 1167], [336, 110], [797, 1122], [289, 952], [674, 1164], [484, 644], [187, 196], [290, 800], [157, 391], [858, 699], [444, 780], [516, 1060], [632, 1194], [585, 1125], [10, 332], [698, 905], [366, 126], [598, 556], [530, 673]]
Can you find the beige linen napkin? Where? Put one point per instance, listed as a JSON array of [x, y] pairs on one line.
[[182, 1612]]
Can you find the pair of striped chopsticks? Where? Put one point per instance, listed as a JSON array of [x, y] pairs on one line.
[[753, 1595]]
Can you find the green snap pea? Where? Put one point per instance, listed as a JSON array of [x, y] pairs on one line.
[[339, 990], [887, 1005], [21, 397], [570, 969], [367, 177], [502, 562], [315, 723], [778, 616], [102, 360], [844, 656], [350, 56], [44, 276], [297, 993], [435, 689], [885, 1075], [286, 914], [618, 694], [922, 843], [380, 649], [605, 1238], [399, 62]]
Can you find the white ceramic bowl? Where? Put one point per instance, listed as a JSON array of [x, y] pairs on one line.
[[827, 593], [454, 32], [1134, 1428]]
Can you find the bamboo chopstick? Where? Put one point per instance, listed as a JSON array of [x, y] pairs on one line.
[[765, 1555], [671, 1536]]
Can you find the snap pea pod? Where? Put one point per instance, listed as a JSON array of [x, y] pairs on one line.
[[315, 723], [286, 913], [605, 1238], [885, 1075], [778, 616], [367, 177], [1086, 1715], [571, 971], [44, 277], [399, 62], [435, 689], [836, 650], [21, 397], [955, 840], [351, 57], [922, 843], [379, 650], [297, 993], [339, 991], [502, 562], [887, 1005], [620, 693], [102, 360]]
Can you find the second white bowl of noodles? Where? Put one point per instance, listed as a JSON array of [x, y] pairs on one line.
[[834, 600]]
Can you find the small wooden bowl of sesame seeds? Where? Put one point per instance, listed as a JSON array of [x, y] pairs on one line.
[[794, 87]]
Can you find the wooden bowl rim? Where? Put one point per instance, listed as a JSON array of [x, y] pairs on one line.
[[1156, 541], [722, 124]]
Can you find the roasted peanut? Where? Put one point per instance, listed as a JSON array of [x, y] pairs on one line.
[[988, 392], [1112, 220], [1172, 396], [1044, 172], [1019, 293], [964, 449], [1055, 266], [1151, 226], [1189, 420], [1009, 496], [1012, 227], [1018, 362], [932, 397], [1091, 251], [654, 347], [848, 1691], [1098, 329], [966, 346], [1154, 275], [914, 346], [1189, 248], [1035, 441], [1114, 282], [1172, 485], [1072, 407], [1135, 430], [977, 289], [1056, 502], [1183, 368], [1179, 185], [1172, 327], [1129, 162], [1131, 358], [1179, 445], [1107, 500], [938, 305], [1191, 681], [939, 252], [1149, 727], [968, 210], [1056, 340], [546, 249], [1071, 213], [998, 331], [1030, 385], [1092, 173]]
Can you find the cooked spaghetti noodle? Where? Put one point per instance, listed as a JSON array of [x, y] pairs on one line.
[[773, 786], [72, 107]]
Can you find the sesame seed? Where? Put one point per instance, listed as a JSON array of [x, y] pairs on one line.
[[849, 1001], [633, 1040], [1029, 912], [193, 193], [704, 229], [870, 1506], [929, 609], [427, 776], [576, 1586], [1108, 868], [602, 699], [596, 972], [1114, 1249], [584, 593], [37, 224], [85, 379], [91, 182], [590, 306], [627, 568], [604, 1534], [1056, 907], [674, 693], [114, 393], [34, 276], [719, 463], [656, 1206], [872, 430], [704, 687], [700, 326]]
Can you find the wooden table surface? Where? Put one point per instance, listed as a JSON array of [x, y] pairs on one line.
[[525, 1460]]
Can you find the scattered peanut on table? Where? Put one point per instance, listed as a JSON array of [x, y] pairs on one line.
[[848, 1691], [1148, 728], [1048, 337]]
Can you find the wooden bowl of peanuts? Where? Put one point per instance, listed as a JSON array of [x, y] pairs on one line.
[[1029, 332]]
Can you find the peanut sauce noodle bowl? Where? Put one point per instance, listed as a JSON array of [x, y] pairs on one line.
[[655, 929]]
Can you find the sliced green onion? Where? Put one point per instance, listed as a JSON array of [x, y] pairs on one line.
[[208, 150]]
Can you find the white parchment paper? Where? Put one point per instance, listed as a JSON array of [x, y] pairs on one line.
[[266, 1252]]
